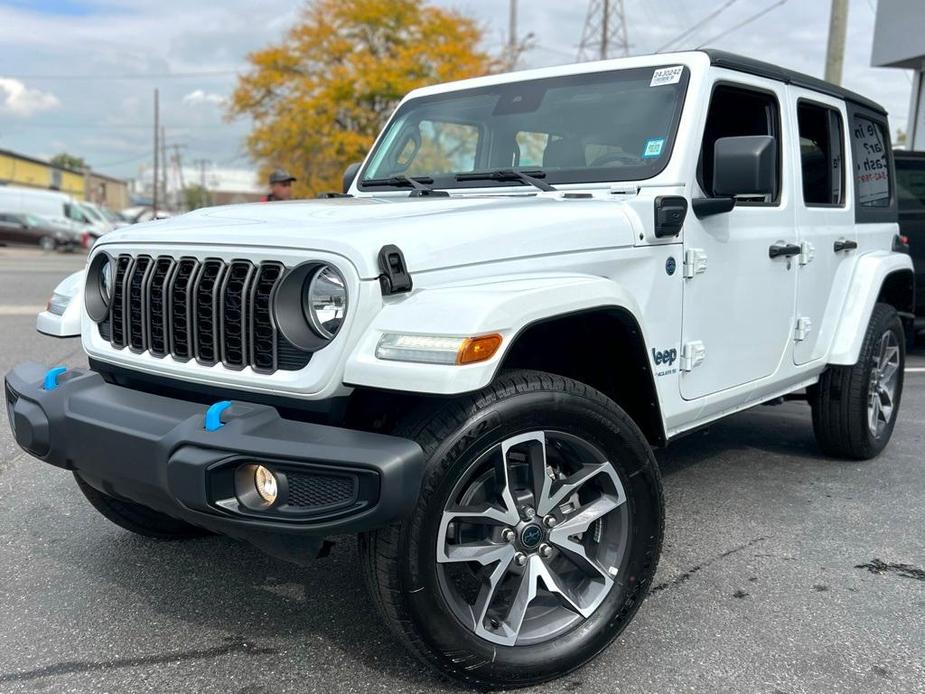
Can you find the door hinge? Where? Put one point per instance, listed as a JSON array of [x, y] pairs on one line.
[[692, 355], [695, 262], [807, 253], [803, 329]]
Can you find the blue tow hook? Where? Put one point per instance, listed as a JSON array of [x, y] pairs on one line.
[[214, 415], [51, 377]]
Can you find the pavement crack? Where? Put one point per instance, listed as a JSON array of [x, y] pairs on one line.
[[69, 667], [878, 566], [678, 580]]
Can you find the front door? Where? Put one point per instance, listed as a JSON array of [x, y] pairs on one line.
[[738, 311]]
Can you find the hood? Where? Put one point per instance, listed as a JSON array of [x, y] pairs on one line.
[[433, 232]]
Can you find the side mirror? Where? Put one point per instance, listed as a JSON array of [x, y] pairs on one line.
[[350, 173], [745, 166]]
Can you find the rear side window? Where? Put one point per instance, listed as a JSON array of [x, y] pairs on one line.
[[871, 166], [821, 157]]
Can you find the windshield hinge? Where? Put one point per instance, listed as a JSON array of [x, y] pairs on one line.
[[624, 190], [395, 277]]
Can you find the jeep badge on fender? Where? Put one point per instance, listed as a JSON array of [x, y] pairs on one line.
[[452, 361]]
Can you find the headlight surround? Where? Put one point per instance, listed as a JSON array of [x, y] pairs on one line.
[[324, 301], [105, 280]]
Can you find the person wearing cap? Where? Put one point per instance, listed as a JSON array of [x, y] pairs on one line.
[[280, 186]]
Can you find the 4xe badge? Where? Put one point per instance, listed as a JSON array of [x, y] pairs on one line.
[[666, 359]]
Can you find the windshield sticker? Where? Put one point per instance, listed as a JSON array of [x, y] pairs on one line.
[[653, 148], [667, 75]]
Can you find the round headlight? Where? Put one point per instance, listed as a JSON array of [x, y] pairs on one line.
[[325, 301], [106, 280]]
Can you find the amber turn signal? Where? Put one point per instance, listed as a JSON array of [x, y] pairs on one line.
[[476, 349]]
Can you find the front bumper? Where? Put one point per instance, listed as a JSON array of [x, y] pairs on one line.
[[155, 451]]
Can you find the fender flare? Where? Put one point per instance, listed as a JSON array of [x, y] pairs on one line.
[[870, 272], [505, 305]]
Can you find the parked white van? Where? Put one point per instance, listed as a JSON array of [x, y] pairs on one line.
[[57, 207]]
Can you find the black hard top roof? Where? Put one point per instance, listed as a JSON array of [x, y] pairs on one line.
[[739, 63]]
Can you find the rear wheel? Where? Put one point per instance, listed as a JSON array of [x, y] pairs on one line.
[[136, 518], [855, 407], [535, 538], [47, 244]]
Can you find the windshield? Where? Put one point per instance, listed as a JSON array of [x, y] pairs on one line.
[[596, 127], [92, 213]]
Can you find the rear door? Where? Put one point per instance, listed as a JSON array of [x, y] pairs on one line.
[[824, 218]]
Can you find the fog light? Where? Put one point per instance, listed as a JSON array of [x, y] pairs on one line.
[[265, 484]]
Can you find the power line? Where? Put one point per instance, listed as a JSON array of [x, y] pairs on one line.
[[743, 23], [697, 25], [126, 76]]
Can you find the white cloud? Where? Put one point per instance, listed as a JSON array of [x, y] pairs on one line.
[[19, 100], [198, 97]]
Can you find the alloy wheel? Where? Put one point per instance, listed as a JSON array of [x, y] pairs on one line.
[[532, 538], [884, 375]]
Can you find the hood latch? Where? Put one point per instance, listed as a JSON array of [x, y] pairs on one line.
[[395, 277]]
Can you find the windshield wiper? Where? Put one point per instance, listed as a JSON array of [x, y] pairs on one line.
[[401, 181], [530, 178]]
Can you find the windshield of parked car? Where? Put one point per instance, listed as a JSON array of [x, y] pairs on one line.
[[594, 127]]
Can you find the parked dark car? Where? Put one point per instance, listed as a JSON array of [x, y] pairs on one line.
[[910, 178], [30, 230]]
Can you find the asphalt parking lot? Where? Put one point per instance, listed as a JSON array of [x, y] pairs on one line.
[[782, 571]]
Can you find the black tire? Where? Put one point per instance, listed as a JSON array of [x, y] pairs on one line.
[[400, 560], [840, 400], [136, 518], [47, 244]]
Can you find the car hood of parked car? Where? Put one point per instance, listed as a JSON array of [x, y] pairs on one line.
[[433, 232]]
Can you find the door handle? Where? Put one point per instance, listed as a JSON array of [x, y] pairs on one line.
[[785, 249], [844, 245]]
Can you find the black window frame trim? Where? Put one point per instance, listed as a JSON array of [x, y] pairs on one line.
[[582, 177], [846, 143], [777, 126]]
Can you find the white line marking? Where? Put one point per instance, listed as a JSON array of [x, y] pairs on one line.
[[8, 310], [915, 369]]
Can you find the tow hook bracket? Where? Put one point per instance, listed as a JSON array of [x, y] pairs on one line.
[[214, 415], [51, 377]]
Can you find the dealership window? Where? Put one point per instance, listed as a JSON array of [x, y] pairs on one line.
[[871, 166], [821, 160], [737, 112]]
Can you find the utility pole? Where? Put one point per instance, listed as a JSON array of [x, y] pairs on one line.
[[835, 53], [164, 167], [512, 35], [157, 129], [178, 161], [604, 32]]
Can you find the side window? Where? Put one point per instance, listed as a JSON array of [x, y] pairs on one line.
[[440, 147], [821, 157], [871, 166], [737, 112], [910, 179]]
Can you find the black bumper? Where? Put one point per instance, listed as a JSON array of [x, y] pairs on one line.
[[155, 450]]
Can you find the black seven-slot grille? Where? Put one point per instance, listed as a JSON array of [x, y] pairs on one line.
[[211, 310]]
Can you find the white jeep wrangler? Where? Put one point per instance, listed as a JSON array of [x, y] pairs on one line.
[[532, 280]]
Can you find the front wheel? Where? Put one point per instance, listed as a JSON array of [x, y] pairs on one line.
[[855, 407], [535, 538]]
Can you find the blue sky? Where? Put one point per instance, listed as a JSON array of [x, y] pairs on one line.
[[108, 121]]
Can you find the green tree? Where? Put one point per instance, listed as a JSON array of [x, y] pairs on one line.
[[319, 97], [195, 196], [68, 161]]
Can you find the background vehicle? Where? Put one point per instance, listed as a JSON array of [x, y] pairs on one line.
[[538, 278], [32, 230], [910, 185]]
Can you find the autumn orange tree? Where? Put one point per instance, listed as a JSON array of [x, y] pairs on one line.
[[319, 97]]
